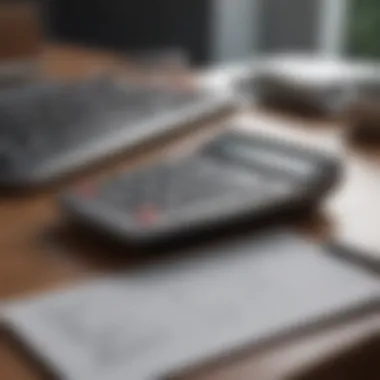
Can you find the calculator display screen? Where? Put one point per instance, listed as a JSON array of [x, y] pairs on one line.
[[274, 155], [270, 158]]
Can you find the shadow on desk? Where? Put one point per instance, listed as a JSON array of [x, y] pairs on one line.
[[103, 253]]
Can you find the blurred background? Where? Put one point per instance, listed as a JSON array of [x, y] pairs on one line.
[[339, 26], [208, 30], [44, 39]]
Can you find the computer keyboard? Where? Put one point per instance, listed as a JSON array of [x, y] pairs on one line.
[[18, 74], [49, 129]]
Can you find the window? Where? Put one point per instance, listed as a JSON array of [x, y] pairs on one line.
[[363, 28]]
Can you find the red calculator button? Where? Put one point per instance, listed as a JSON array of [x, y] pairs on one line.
[[147, 214], [86, 190]]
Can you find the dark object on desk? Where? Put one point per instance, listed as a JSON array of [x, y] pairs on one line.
[[283, 94], [360, 362], [307, 85], [49, 129], [233, 178], [363, 119], [171, 316], [206, 30]]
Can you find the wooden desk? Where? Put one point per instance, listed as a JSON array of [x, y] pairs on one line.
[[30, 262]]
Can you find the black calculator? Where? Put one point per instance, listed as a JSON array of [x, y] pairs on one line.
[[236, 176]]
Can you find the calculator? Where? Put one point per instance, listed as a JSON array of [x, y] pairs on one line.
[[234, 177]]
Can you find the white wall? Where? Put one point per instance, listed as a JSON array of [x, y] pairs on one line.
[[234, 29]]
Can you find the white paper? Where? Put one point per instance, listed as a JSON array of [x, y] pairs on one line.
[[174, 315]]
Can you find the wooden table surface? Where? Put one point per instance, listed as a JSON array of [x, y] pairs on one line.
[[34, 257]]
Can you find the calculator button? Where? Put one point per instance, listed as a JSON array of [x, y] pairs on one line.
[[147, 214], [86, 190]]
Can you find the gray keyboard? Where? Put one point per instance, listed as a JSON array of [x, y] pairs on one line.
[[49, 129]]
